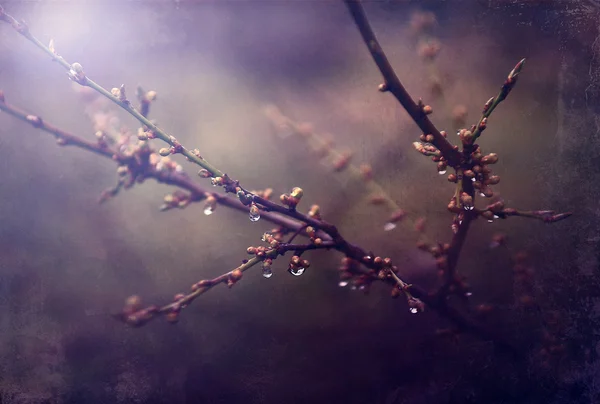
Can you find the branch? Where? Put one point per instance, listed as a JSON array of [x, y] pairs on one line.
[[417, 112]]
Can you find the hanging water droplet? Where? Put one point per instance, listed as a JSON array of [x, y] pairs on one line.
[[389, 226], [208, 210], [254, 213], [343, 284], [296, 271], [267, 272], [414, 310], [442, 172]]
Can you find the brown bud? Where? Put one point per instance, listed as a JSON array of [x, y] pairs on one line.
[[491, 158], [172, 317], [397, 216], [236, 274], [493, 180]]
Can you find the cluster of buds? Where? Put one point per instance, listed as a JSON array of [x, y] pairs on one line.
[[427, 149], [493, 211], [297, 265], [133, 313], [144, 134], [164, 164], [177, 199], [262, 251], [481, 173], [223, 181], [276, 233], [312, 235], [292, 199]]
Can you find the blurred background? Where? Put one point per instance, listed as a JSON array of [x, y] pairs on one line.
[[67, 263]]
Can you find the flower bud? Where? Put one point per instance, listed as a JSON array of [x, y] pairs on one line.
[[491, 158]]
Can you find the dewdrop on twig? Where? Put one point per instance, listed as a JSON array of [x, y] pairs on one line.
[[254, 213]]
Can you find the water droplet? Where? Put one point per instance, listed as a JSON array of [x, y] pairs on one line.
[[490, 221], [473, 179], [267, 272], [496, 217], [343, 284], [442, 172], [468, 294], [389, 226], [296, 271], [481, 194], [254, 213], [208, 210], [414, 310]]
